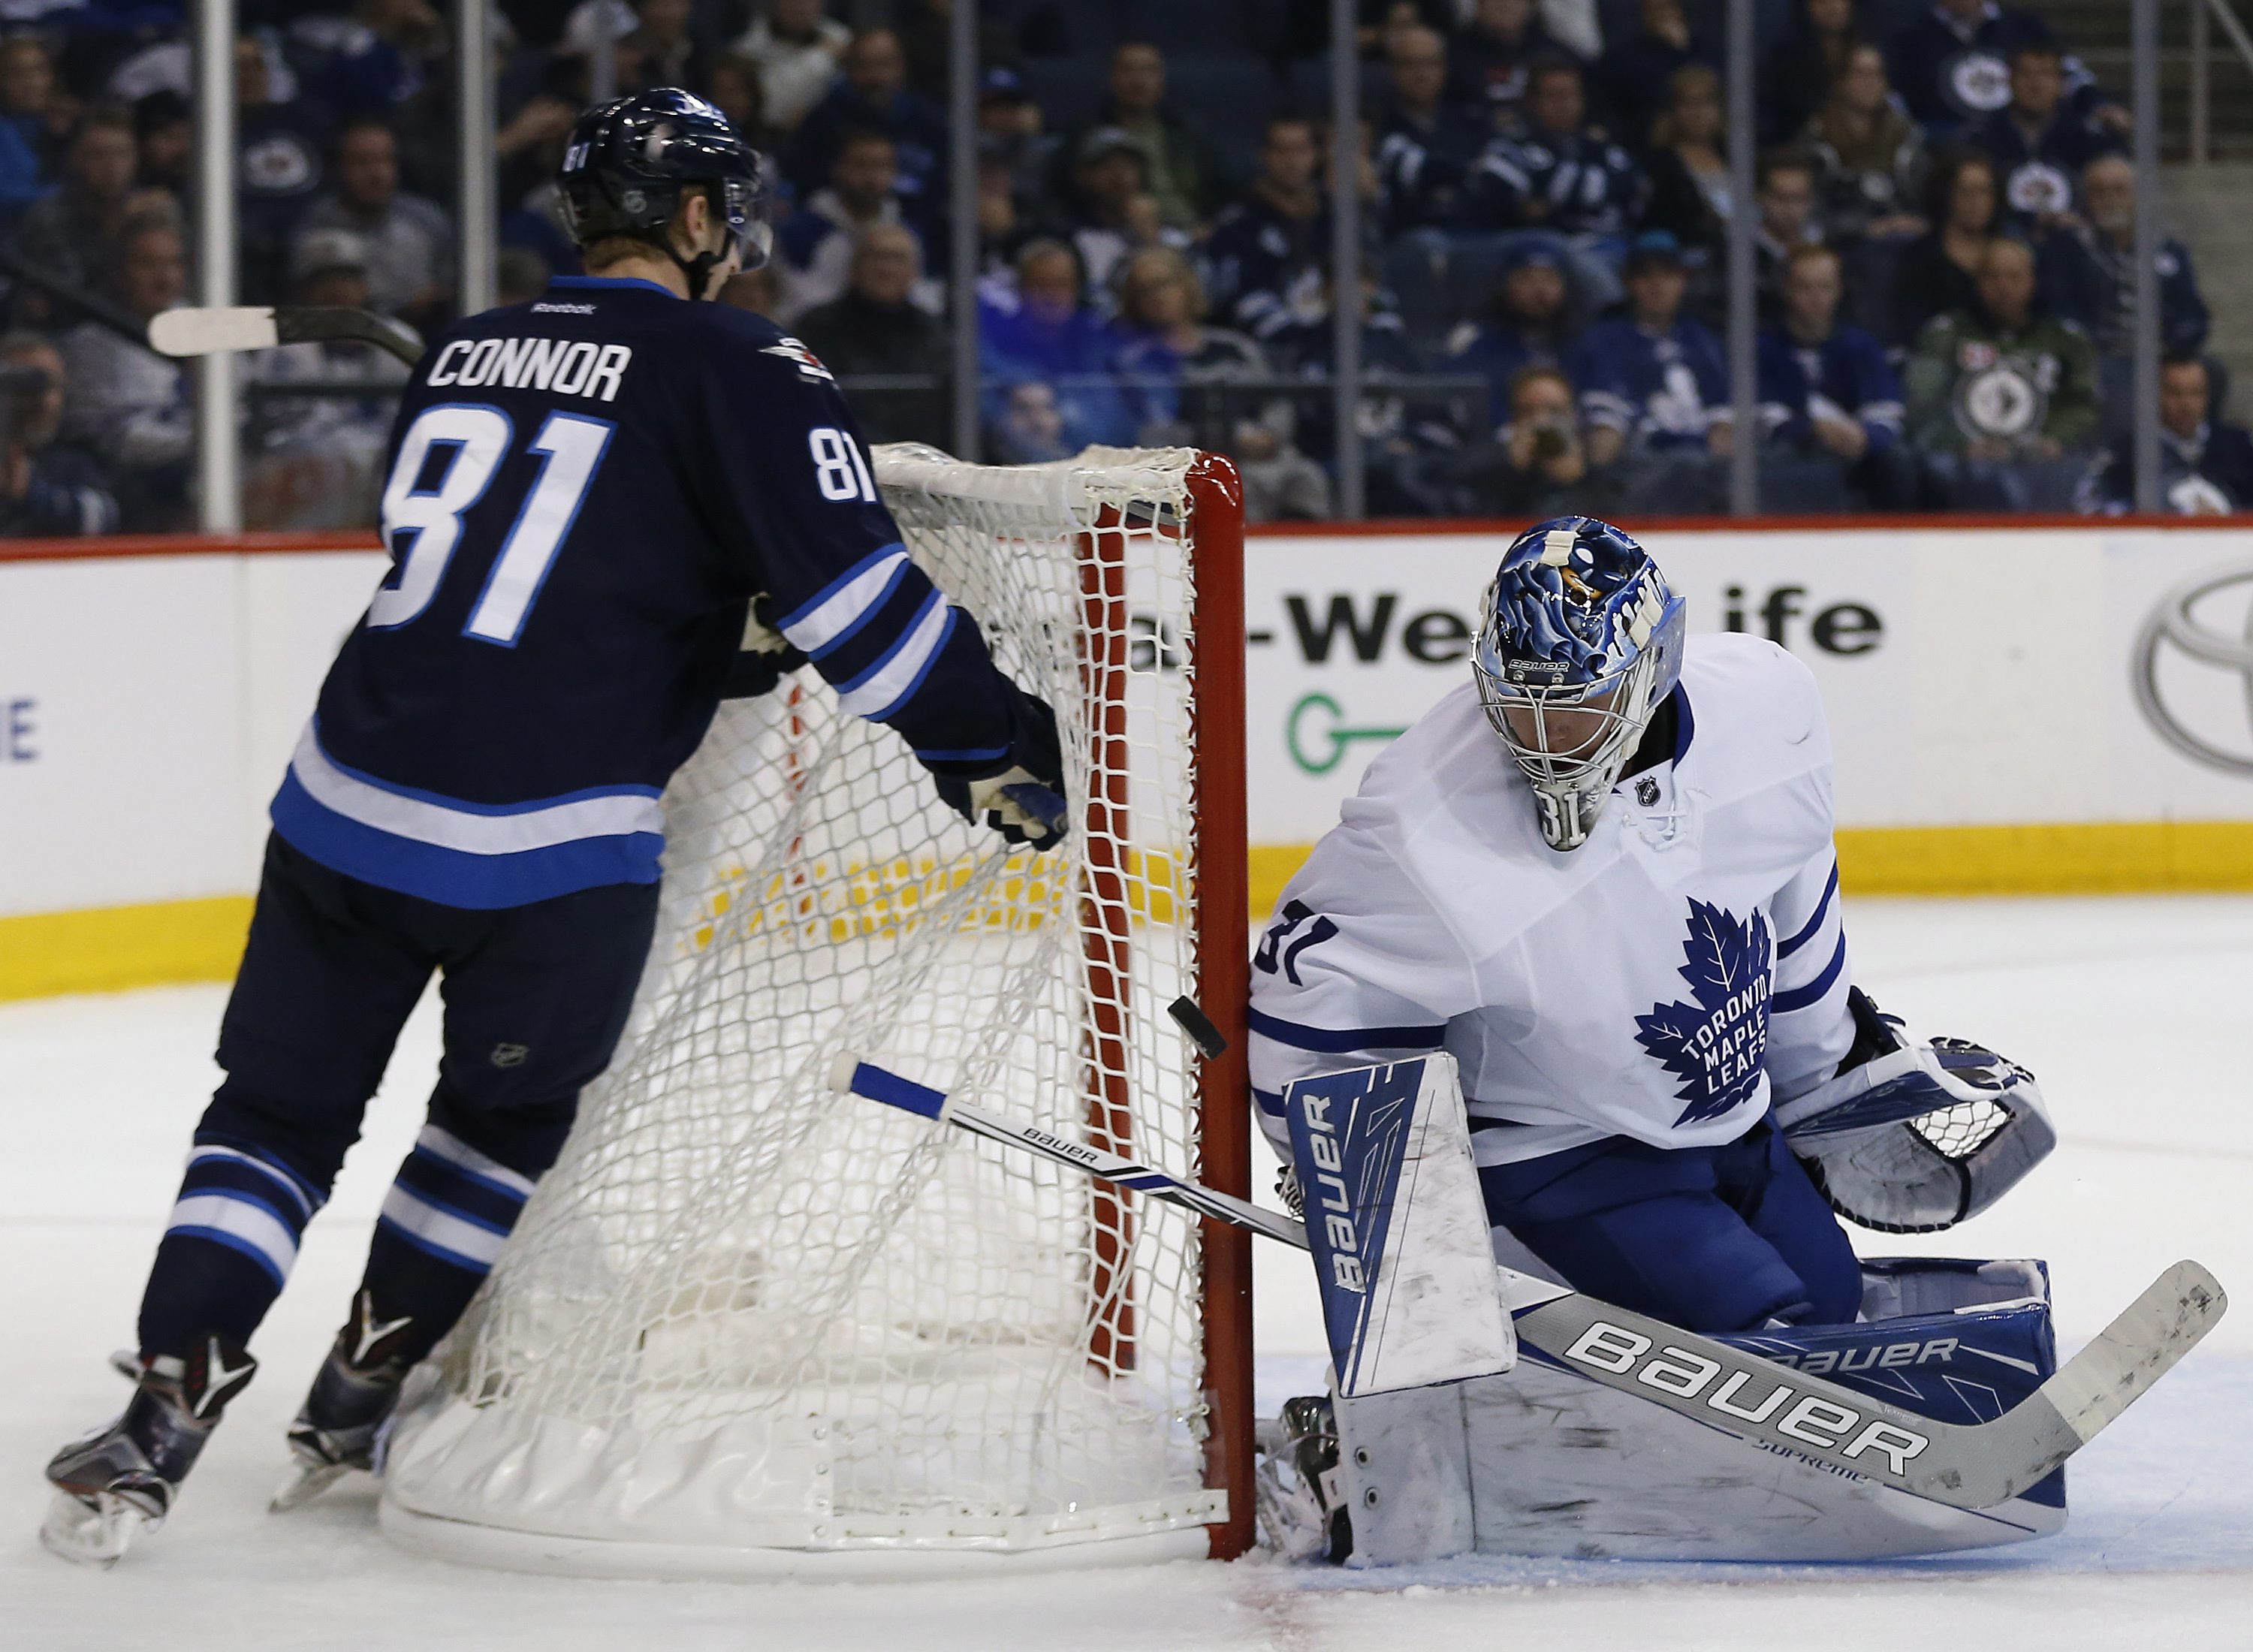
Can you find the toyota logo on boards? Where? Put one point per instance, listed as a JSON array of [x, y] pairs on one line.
[[2175, 624]]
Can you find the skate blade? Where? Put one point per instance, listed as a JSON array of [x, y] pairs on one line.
[[95, 1533], [306, 1481]]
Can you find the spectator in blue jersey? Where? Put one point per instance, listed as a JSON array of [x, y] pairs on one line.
[[2039, 142], [1556, 171], [1529, 323], [1655, 391], [2088, 271], [1175, 371], [1830, 404], [1189, 173], [48, 489], [1268, 254], [813, 250], [1633, 72], [1046, 332], [1488, 57], [375, 56], [35, 108], [873, 96], [2205, 465], [283, 145], [410, 241], [1951, 64], [27, 84], [1425, 142]]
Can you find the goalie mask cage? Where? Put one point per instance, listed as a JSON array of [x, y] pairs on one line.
[[750, 1326]]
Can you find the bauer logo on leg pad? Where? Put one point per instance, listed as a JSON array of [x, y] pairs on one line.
[[1398, 1227]]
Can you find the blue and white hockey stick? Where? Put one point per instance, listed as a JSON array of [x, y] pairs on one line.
[[1966, 1466]]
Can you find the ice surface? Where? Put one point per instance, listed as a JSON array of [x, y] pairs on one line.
[[2134, 1012]]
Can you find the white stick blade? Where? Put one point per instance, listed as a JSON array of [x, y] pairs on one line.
[[2139, 1347], [204, 332]]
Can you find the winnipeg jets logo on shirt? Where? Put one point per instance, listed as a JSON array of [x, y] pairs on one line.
[[809, 364], [1715, 1045]]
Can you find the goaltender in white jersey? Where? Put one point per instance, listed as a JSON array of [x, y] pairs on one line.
[[1657, 983], [1621, 919]]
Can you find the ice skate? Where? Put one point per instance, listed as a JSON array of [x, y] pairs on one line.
[[1303, 1511], [122, 1479], [341, 1425]]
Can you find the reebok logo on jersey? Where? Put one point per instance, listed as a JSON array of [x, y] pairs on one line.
[[809, 364], [544, 308], [1716, 1044]]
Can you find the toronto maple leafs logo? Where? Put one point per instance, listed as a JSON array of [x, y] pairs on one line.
[[1715, 1045]]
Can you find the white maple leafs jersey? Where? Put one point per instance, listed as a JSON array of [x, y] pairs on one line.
[[1663, 982]]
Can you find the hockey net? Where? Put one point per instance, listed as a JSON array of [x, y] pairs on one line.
[[745, 1318]]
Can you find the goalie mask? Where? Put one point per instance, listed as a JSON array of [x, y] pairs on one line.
[[1580, 641]]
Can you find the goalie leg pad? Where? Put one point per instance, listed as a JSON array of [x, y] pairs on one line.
[[1397, 1227], [1405, 1468]]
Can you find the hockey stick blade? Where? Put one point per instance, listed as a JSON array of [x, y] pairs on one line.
[[1966, 1466], [209, 332]]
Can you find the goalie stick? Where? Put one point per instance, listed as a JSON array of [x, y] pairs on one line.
[[1966, 1466], [211, 331]]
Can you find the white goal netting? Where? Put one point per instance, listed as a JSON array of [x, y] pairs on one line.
[[745, 1312]]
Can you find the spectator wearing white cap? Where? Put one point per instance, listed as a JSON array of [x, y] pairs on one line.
[[315, 456]]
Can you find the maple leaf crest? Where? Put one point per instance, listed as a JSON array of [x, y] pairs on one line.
[[1715, 1045]]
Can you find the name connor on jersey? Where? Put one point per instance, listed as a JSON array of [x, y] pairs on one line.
[[563, 367]]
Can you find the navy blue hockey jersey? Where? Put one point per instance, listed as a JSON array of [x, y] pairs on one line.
[[1667, 389], [585, 493], [1846, 376]]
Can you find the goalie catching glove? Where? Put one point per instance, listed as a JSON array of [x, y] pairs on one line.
[[1912, 1135], [1019, 794]]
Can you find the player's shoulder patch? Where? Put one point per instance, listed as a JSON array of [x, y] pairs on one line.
[[795, 351]]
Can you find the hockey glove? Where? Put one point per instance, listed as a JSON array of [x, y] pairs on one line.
[[1914, 1135], [1020, 795], [765, 659]]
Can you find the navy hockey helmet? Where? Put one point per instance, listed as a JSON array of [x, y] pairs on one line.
[[630, 160], [1580, 642]]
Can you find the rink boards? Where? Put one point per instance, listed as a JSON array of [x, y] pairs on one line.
[[2051, 709]]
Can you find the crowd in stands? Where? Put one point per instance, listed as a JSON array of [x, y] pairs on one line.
[[1942, 212]]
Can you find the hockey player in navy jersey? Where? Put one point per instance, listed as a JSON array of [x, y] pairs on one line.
[[594, 499], [1599, 876]]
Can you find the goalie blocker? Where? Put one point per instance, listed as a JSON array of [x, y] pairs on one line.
[[1442, 1449]]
